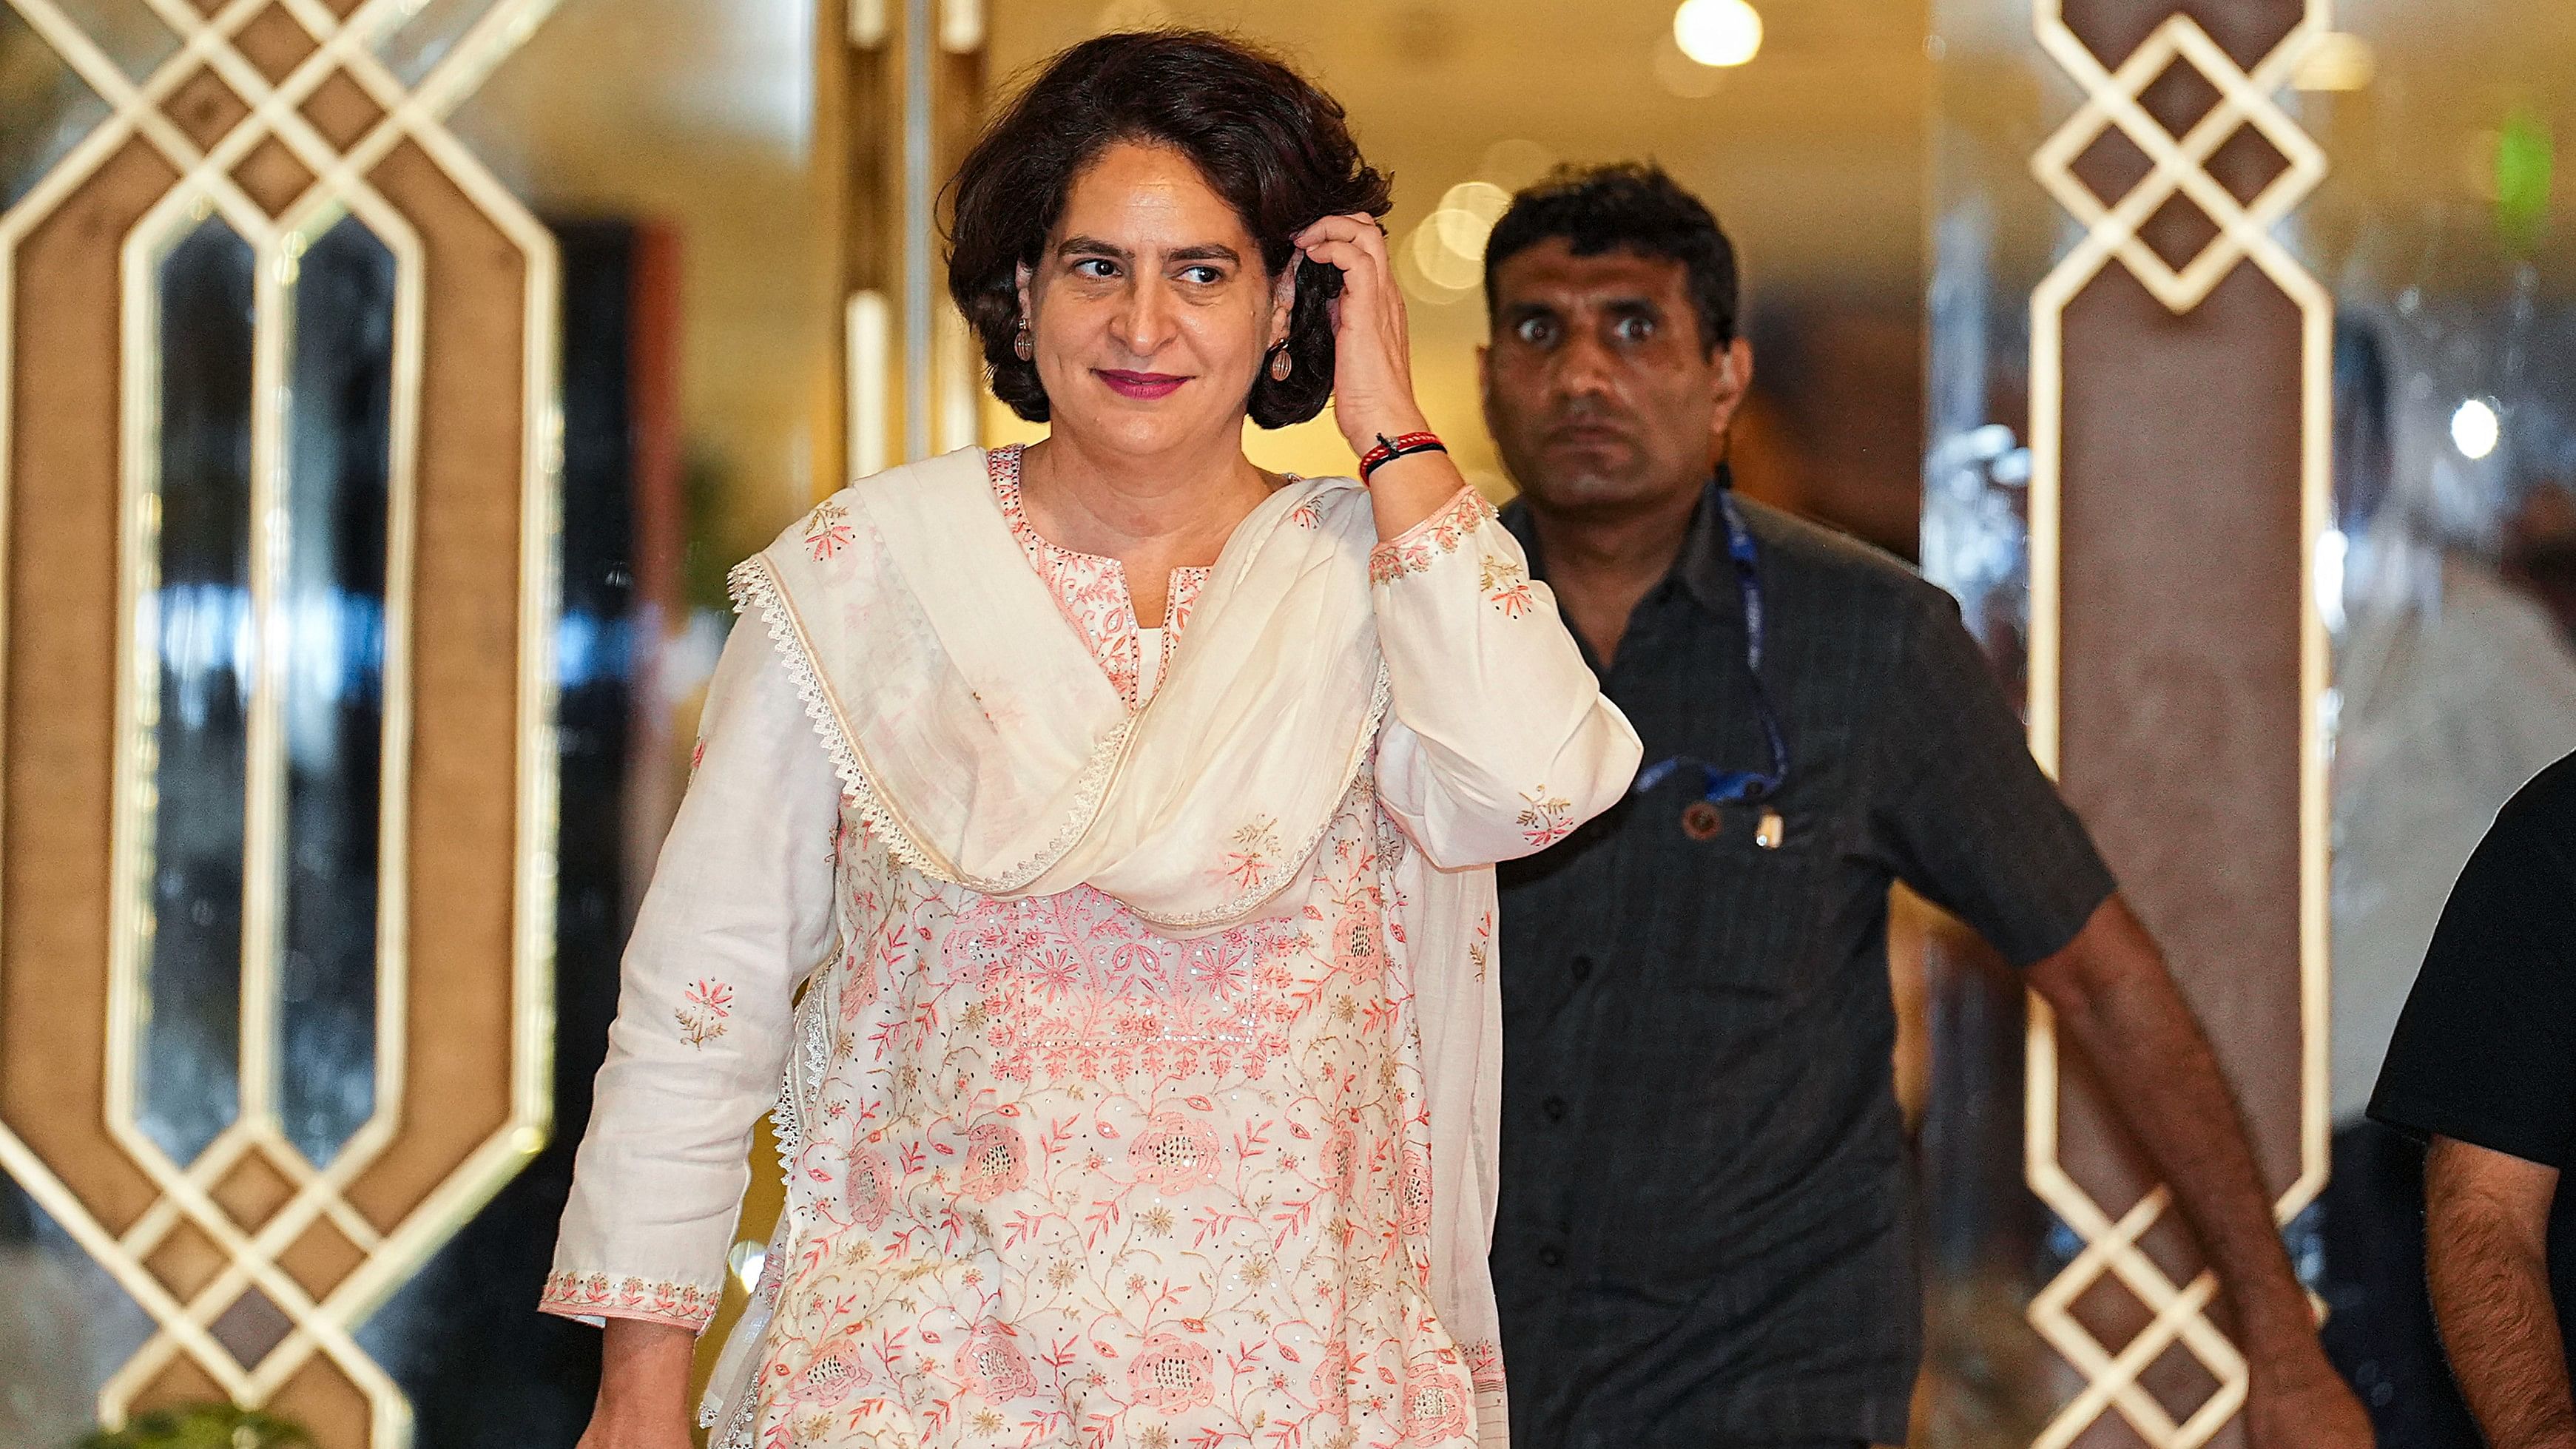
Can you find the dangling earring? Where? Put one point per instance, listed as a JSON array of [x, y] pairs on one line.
[[1022, 347], [1281, 364]]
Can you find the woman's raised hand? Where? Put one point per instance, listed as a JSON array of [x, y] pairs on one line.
[[1372, 353], [1373, 373]]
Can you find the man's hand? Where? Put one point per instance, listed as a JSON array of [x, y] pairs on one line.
[[2116, 1002]]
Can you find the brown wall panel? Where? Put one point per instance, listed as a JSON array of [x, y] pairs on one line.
[[2183, 636], [2181, 685], [61, 685], [465, 635]]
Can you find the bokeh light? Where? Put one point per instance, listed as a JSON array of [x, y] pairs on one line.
[[1718, 32], [2475, 428]]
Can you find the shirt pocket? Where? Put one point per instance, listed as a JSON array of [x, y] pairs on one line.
[[1724, 915]]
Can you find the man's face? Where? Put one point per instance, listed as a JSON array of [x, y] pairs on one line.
[[1597, 387]]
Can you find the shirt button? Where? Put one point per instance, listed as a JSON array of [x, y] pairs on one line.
[[1552, 1255], [1554, 1107], [1582, 968]]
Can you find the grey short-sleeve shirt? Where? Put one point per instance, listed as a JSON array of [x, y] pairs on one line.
[[1704, 1232]]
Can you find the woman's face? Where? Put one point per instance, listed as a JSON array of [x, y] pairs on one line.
[[1150, 312]]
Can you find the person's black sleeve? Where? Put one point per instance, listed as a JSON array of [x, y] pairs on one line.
[[1959, 809], [2485, 1052]]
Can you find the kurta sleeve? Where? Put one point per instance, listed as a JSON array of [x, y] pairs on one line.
[[1501, 741], [739, 912]]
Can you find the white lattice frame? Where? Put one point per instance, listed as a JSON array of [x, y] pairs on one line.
[[2245, 233], [339, 186]]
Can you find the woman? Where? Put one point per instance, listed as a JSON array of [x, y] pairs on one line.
[[1142, 1085]]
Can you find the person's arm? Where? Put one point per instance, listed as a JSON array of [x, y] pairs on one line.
[[1373, 374], [1967, 818], [2115, 1000], [643, 1401], [738, 912], [2486, 1257], [1501, 741], [2482, 1066]]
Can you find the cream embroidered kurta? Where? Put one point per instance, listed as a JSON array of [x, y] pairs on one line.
[[1055, 1175]]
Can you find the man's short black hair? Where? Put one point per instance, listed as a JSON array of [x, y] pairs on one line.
[[1625, 206]]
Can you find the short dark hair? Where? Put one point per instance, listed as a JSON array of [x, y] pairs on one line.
[[1626, 206], [1274, 146]]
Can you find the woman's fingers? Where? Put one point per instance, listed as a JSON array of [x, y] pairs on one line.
[[1344, 241], [1351, 227], [1346, 255], [1373, 375]]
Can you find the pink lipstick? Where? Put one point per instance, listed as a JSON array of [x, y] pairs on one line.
[[1142, 385]]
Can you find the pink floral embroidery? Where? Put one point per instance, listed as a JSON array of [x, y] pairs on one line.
[[1248, 864], [704, 1006], [600, 1296], [1421, 545], [1332, 1383], [1306, 515], [1433, 1410], [1340, 1163], [1172, 1374], [827, 529], [990, 1365], [697, 756], [1091, 590], [1506, 586], [1355, 934], [1547, 818], [996, 1162], [870, 1192], [1073, 986], [1484, 1364], [1176, 1153], [834, 1375], [1413, 1203]]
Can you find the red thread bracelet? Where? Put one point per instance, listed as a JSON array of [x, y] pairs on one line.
[[1402, 445]]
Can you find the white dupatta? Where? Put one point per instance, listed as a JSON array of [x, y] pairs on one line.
[[977, 733]]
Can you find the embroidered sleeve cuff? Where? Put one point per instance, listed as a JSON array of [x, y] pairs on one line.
[[597, 1296], [1421, 546]]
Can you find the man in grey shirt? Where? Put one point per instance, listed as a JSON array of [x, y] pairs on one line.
[[1703, 1236]]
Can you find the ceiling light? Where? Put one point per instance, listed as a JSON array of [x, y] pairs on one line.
[[2475, 428], [1717, 32]]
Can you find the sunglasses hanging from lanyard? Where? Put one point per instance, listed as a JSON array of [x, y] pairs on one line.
[[1702, 818]]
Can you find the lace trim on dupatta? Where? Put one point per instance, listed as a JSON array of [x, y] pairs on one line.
[[755, 589]]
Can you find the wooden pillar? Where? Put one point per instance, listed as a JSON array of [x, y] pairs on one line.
[[2179, 438], [911, 98]]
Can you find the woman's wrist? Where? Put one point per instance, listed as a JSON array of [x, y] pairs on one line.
[[1361, 429], [1388, 449], [644, 1371]]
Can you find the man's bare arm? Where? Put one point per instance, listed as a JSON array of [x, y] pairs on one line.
[[2116, 1001], [2486, 1253]]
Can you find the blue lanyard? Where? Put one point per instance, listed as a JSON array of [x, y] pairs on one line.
[[1724, 787]]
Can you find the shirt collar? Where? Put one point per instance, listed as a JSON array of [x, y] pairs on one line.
[[1701, 570]]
